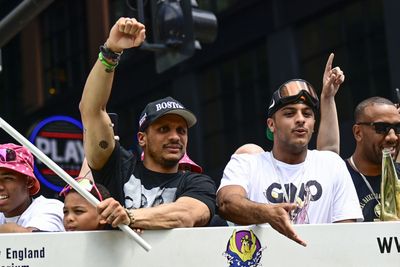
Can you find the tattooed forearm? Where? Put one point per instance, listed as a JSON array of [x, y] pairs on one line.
[[103, 144]]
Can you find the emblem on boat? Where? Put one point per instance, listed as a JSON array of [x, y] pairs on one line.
[[243, 249]]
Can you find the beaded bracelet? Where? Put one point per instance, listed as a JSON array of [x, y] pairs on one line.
[[109, 67], [131, 217]]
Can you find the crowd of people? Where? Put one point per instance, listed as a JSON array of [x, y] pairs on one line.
[[163, 188]]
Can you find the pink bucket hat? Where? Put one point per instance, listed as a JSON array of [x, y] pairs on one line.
[[185, 161], [18, 158]]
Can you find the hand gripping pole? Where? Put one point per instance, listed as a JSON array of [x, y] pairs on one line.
[[67, 178]]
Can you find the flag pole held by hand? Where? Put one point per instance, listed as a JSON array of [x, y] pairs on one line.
[[67, 178]]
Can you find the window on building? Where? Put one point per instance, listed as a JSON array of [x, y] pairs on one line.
[[64, 50]]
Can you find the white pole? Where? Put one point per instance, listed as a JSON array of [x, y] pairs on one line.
[[67, 178]]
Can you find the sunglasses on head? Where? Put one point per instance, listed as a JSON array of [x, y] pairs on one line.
[[382, 127], [295, 90], [7, 155], [87, 184], [291, 92]]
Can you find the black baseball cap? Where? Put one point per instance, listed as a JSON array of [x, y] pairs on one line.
[[161, 107]]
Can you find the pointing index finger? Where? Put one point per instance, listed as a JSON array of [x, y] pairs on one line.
[[328, 66]]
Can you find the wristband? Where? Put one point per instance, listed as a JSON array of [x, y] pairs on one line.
[[109, 66], [110, 55]]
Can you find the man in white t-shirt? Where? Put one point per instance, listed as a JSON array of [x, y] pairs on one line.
[[291, 184], [19, 211]]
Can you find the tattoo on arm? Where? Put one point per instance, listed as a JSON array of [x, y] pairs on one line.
[[103, 144]]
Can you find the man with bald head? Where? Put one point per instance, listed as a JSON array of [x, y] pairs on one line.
[[377, 126]]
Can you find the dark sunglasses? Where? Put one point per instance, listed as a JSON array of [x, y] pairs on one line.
[[7, 155], [87, 184], [382, 127]]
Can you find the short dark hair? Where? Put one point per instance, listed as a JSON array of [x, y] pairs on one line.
[[376, 100]]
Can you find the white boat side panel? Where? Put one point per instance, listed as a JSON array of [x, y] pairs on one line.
[[352, 244]]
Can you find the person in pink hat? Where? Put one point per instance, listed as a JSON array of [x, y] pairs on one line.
[[186, 164], [19, 211]]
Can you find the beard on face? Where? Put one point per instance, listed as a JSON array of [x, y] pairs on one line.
[[169, 163], [165, 162]]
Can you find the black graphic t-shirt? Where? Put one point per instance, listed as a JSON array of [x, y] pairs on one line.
[[368, 203], [134, 186]]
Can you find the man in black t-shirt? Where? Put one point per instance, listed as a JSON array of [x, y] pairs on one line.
[[154, 193], [377, 126]]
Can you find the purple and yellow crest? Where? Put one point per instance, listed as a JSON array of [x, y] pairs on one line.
[[243, 249]]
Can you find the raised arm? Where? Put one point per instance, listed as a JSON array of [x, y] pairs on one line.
[[236, 207], [98, 133], [328, 135]]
